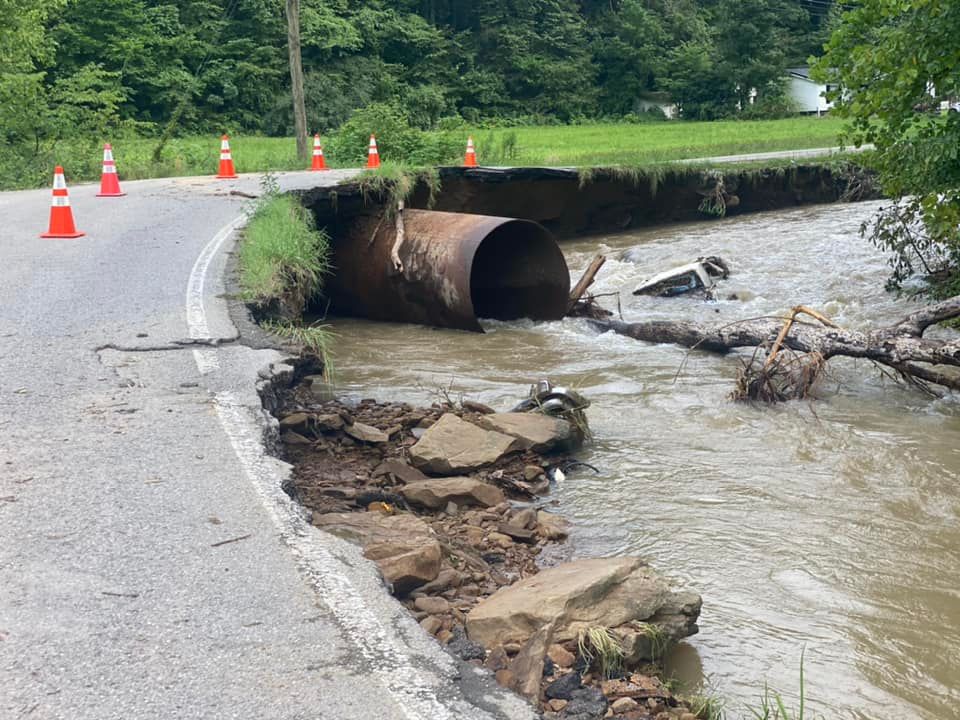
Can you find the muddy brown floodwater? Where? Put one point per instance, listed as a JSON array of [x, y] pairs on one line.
[[832, 527]]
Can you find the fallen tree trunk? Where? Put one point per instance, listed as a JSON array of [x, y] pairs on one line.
[[900, 347]]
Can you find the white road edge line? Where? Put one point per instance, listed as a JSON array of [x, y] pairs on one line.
[[390, 665]]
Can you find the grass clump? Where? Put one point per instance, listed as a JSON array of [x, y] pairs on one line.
[[283, 257], [396, 182], [597, 645], [707, 707], [283, 260], [659, 640], [313, 340], [773, 707]]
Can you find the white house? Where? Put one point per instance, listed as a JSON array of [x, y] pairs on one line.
[[807, 94]]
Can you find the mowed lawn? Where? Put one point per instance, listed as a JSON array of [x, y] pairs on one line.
[[644, 143]]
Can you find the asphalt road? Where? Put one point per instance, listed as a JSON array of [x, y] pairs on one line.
[[150, 567]]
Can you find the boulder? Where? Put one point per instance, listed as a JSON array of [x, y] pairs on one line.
[[533, 431], [366, 433], [296, 421], [294, 438], [432, 605], [466, 649], [403, 546], [527, 666], [431, 624], [552, 527], [586, 704], [564, 687], [573, 596], [436, 493], [532, 472], [452, 446], [561, 657], [674, 620], [329, 421], [526, 518], [624, 705], [399, 469], [517, 533], [448, 578], [497, 660]]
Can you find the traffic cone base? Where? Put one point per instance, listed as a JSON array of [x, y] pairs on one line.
[[61, 216], [226, 161], [109, 182], [373, 155], [63, 236], [318, 163]]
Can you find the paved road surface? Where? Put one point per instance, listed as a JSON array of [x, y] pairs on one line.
[[778, 155], [126, 459]]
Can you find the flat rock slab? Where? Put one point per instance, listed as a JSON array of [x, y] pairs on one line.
[[452, 446], [540, 433], [399, 469], [365, 433], [403, 546], [574, 596], [437, 492]]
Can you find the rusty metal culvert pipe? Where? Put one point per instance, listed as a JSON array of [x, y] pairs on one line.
[[456, 268]]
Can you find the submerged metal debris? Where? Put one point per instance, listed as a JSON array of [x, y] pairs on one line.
[[557, 402], [697, 275]]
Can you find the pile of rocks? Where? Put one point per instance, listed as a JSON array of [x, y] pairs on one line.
[[448, 502]]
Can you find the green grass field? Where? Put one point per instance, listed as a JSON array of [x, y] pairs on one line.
[[646, 143], [573, 145]]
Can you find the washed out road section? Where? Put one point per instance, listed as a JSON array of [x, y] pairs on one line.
[[148, 568]]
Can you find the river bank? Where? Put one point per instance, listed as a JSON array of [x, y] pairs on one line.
[[700, 486], [463, 529], [793, 521]]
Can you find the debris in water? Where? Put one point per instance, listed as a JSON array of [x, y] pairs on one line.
[[697, 275], [557, 402]]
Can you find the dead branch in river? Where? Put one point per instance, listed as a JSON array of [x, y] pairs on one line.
[[901, 347]]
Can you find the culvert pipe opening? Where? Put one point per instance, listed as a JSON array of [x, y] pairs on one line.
[[519, 272], [447, 269]]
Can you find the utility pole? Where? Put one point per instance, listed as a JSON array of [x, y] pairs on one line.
[[296, 77]]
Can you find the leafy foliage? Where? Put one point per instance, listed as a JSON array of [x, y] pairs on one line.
[[105, 69], [893, 62]]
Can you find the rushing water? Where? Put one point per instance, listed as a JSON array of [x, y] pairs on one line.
[[831, 526]]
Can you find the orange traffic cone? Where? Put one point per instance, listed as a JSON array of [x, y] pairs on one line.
[[470, 159], [109, 182], [373, 157], [61, 216], [318, 162], [226, 160]]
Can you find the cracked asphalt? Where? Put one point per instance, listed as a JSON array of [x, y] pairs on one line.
[[150, 567]]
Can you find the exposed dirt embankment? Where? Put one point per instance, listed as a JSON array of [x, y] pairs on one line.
[[572, 202]]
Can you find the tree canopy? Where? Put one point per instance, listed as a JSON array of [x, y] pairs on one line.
[[894, 62], [222, 64]]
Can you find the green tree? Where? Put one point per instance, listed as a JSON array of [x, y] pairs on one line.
[[752, 37], [892, 62], [24, 50]]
